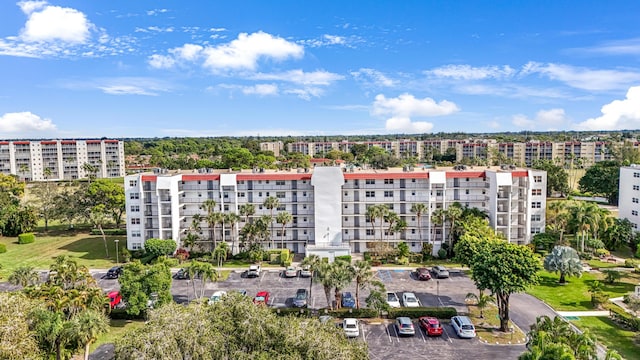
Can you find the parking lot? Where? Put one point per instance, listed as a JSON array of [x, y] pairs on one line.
[[382, 339]]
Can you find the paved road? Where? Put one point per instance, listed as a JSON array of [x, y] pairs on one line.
[[524, 309]]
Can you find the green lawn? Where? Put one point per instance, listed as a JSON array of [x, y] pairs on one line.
[[86, 249], [117, 328], [610, 335], [598, 264], [574, 296]]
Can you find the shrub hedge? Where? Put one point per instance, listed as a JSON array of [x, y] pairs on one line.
[[618, 314], [437, 312], [345, 258], [414, 313], [26, 238], [109, 232], [3, 248], [121, 314]]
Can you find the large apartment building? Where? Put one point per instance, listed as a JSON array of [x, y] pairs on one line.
[[64, 159], [520, 153], [629, 194], [329, 204]]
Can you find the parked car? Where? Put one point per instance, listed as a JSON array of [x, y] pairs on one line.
[[404, 325], [254, 271], [430, 325], [182, 274], [115, 299], [348, 301], [351, 327], [290, 272], [305, 271], [423, 274], [114, 272], [302, 296], [440, 272], [217, 296], [261, 298], [409, 299], [463, 327], [393, 300], [242, 292]]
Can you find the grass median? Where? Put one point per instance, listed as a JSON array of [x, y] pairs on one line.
[[611, 335]]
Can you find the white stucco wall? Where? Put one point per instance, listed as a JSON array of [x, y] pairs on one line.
[[327, 182]]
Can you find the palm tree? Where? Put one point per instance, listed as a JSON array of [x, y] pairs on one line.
[[363, 275], [342, 274], [220, 253], [283, 218], [392, 219], [247, 210], [232, 219], [452, 215], [24, 168], [24, 276], [313, 261], [383, 211], [209, 206], [437, 219], [583, 218], [89, 325], [271, 203], [419, 209], [482, 300], [326, 278], [372, 216], [215, 219], [612, 355]]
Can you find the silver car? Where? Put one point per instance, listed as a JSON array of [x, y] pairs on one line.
[[440, 272], [404, 325]]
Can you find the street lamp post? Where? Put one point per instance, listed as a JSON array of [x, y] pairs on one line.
[[117, 257]]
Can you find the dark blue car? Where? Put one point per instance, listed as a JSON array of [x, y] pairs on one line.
[[348, 301]]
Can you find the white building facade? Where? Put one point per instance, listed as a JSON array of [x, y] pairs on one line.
[[629, 195], [64, 159], [329, 204]]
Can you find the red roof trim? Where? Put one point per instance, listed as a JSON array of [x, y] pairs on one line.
[[48, 142], [465, 174], [304, 176], [93, 141], [152, 178], [112, 141], [67, 142], [521, 173], [382, 176], [4, 143], [21, 143]]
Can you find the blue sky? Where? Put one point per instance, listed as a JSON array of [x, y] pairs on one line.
[[124, 68]]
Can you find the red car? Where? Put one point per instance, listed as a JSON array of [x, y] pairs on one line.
[[261, 298], [423, 274], [114, 298], [430, 325]]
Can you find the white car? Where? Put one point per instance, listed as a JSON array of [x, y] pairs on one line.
[[217, 296], [393, 300], [351, 327], [409, 299], [254, 271]]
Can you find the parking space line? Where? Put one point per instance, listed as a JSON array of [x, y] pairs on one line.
[[386, 329], [396, 333], [447, 333], [421, 333]]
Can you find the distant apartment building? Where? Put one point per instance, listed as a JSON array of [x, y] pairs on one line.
[[629, 195], [275, 146], [328, 204], [520, 153], [63, 159]]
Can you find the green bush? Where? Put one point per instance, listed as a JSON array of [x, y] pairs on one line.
[[442, 254], [415, 258], [354, 313], [602, 252], [284, 256], [367, 256], [638, 253], [427, 251], [345, 258], [292, 312], [403, 261], [159, 247], [109, 232], [414, 313], [274, 259], [599, 298], [3, 248], [121, 314], [631, 263], [26, 238], [621, 316]]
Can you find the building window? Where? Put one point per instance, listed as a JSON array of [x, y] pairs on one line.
[[135, 234], [370, 182], [634, 200], [133, 183], [370, 232], [413, 193], [135, 208], [260, 194], [636, 174], [634, 225], [280, 194], [304, 193], [536, 192], [134, 196], [535, 217], [370, 194], [537, 179], [135, 221], [636, 187], [388, 181], [281, 208], [346, 206], [413, 231], [226, 207], [634, 212], [304, 206], [136, 246], [535, 230], [536, 204], [279, 182], [388, 194], [466, 191], [241, 194]]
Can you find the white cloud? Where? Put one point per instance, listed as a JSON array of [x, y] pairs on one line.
[[401, 109], [372, 77], [319, 77], [156, 12], [47, 23], [217, 29], [618, 114], [329, 40], [306, 93], [30, 6], [261, 89], [161, 61], [544, 120], [468, 72], [121, 85], [616, 47], [584, 78], [245, 51], [187, 52], [23, 122]]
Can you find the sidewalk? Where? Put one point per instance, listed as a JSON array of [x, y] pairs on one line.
[[583, 313]]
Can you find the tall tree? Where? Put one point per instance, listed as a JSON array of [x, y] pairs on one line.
[[16, 339], [557, 177], [88, 326], [110, 195], [504, 268], [563, 260], [602, 179], [342, 274], [209, 206], [419, 209], [232, 219], [283, 218], [138, 282], [271, 203], [98, 218], [363, 275], [453, 214]]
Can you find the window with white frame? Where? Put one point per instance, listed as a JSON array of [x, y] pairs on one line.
[[241, 194], [636, 174], [388, 181], [136, 246], [133, 183], [134, 196], [370, 232], [535, 217], [536, 204], [279, 182], [370, 182], [135, 221], [634, 200], [388, 194], [136, 233], [636, 187], [536, 192], [280, 194], [281, 207], [135, 208], [634, 212], [370, 194], [537, 179], [535, 230]]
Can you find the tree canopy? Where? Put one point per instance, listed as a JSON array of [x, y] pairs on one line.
[[563, 260], [602, 179], [138, 282]]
